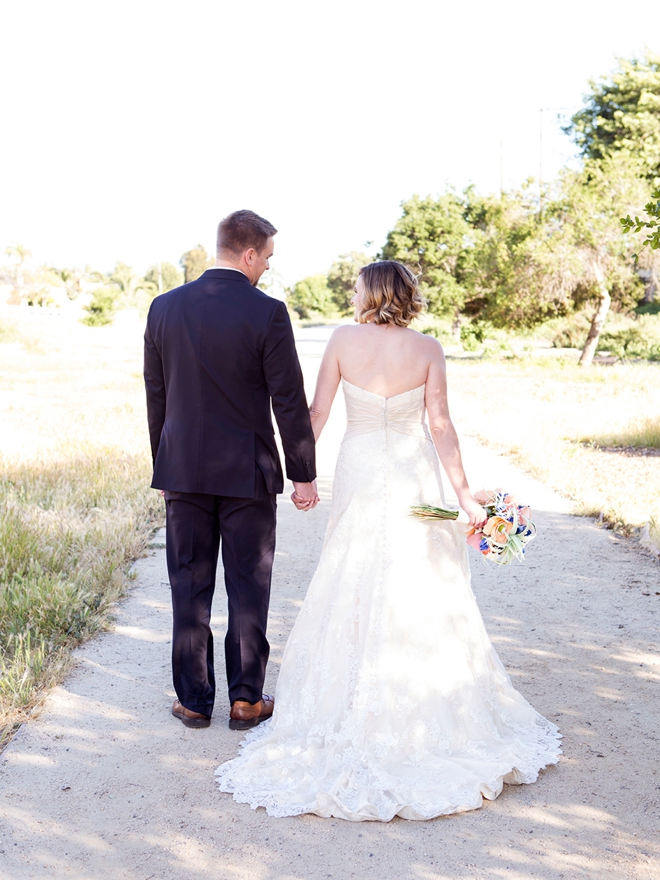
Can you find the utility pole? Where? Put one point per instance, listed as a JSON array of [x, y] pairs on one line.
[[541, 161], [501, 166], [543, 110]]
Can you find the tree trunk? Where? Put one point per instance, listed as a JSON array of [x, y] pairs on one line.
[[456, 325], [653, 286], [589, 349]]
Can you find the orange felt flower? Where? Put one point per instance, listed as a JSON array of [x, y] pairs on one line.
[[498, 529]]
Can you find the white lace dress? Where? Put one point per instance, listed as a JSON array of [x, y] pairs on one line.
[[391, 700]]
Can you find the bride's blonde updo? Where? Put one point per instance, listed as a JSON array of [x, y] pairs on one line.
[[391, 294]]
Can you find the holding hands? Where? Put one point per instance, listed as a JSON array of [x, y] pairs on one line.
[[305, 495]]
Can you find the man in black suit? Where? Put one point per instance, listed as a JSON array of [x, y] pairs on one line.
[[218, 351]]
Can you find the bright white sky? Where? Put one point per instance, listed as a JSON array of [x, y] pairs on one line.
[[131, 128]]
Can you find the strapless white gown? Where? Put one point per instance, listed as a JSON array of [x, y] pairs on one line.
[[391, 700]]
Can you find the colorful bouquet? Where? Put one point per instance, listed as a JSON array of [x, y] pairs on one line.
[[504, 535]]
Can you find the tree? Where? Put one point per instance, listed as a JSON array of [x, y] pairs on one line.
[[194, 263], [342, 277], [432, 237], [592, 202], [310, 295], [519, 272], [20, 255], [126, 281], [162, 277], [43, 286], [75, 279], [622, 114], [34, 285]]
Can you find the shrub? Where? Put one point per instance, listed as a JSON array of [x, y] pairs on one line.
[[652, 308], [474, 334], [441, 329], [640, 338], [102, 308], [570, 332]]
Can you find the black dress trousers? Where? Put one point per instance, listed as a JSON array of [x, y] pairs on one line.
[[196, 526]]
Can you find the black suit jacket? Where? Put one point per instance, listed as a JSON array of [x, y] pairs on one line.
[[217, 352]]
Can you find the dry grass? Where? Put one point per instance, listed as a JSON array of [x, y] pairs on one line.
[[540, 412], [74, 476], [75, 505], [642, 433]]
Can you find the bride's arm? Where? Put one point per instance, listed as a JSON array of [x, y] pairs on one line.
[[444, 434], [326, 384]]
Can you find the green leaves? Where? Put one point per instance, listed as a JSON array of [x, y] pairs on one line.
[[433, 237], [622, 114], [651, 222], [102, 307], [311, 295], [195, 262], [162, 277], [502, 260], [342, 277]]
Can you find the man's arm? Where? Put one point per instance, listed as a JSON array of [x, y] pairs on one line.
[[285, 385], [155, 386]]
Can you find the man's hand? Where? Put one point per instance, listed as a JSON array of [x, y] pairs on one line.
[[305, 495]]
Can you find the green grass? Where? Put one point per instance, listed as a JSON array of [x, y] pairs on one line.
[[69, 531]]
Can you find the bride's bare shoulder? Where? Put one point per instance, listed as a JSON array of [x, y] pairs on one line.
[[426, 342], [344, 330], [341, 335]]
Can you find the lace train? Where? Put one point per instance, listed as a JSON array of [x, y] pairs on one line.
[[391, 699]]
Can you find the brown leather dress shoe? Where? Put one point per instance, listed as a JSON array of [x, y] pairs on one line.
[[189, 718], [245, 715]]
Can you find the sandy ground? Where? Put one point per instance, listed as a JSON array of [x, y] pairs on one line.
[[106, 783]]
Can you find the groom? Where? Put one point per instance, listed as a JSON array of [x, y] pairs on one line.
[[218, 352]]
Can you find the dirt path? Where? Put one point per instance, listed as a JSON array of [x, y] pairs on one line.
[[105, 783]]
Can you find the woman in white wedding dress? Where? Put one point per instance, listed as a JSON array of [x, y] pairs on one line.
[[391, 700]]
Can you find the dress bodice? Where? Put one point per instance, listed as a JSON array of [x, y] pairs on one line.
[[368, 412]]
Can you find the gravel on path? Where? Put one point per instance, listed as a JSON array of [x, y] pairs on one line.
[[105, 783]]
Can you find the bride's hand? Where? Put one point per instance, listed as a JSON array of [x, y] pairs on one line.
[[475, 511], [305, 495]]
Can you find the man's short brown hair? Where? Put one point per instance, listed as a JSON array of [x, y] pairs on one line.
[[242, 230]]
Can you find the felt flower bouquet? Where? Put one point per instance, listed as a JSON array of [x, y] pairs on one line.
[[504, 535]]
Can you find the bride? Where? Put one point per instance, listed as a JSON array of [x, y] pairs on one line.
[[391, 700]]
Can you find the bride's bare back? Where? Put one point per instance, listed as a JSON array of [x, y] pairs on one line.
[[386, 360], [389, 360], [383, 358]]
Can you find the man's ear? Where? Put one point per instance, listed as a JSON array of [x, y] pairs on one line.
[[248, 256]]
